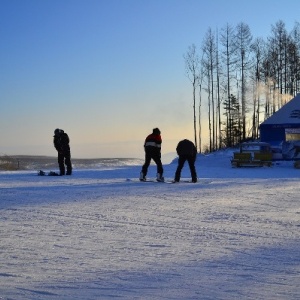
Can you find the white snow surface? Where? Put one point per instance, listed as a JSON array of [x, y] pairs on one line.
[[102, 234]]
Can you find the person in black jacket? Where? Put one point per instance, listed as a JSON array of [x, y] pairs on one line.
[[61, 144], [186, 150], [152, 148]]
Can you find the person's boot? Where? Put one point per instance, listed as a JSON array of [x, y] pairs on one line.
[[159, 177], [69, 171], [142, 177]]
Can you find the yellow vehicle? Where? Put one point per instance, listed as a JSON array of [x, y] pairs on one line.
[[253, 154]]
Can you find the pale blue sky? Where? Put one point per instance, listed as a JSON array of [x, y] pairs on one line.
[[108, 71]]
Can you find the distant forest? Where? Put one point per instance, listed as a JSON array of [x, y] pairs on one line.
[[241, 81]]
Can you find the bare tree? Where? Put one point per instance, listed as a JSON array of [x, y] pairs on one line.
[[258, 48], [294, 60], [243, 40], [209, 60], [229, 60], [218, 113], [200, 104], [276, 60], [192, 63]]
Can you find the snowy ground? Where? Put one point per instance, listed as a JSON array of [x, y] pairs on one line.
[[97, 235]]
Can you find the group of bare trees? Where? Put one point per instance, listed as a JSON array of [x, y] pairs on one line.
[[240, 80]]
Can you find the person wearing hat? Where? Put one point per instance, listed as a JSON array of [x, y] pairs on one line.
[[61, 144], [152, 148], [186, 151]]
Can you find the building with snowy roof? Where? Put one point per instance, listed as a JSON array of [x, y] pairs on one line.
[[282, 129]]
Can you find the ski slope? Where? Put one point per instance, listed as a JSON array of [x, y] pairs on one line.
[[100, 234]]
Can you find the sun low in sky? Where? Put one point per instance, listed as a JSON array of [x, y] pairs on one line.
[[109, 71]]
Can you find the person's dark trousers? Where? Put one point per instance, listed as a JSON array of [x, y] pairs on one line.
[[68, 163], [64, 159], [191, 161], [61, 163], [157, 160]]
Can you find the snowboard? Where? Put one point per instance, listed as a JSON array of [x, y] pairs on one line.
[[155, 181], [147, 180], [51, 173]]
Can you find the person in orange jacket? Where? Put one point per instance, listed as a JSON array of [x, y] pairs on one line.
[[152, 148]]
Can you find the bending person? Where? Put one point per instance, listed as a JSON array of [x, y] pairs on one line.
[[186, 151]]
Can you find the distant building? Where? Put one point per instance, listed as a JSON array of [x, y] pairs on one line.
[[282, 130]]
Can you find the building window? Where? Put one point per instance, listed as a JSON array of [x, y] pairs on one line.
[[292, 134]]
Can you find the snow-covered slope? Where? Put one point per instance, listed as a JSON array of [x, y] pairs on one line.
[[101, 234]]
